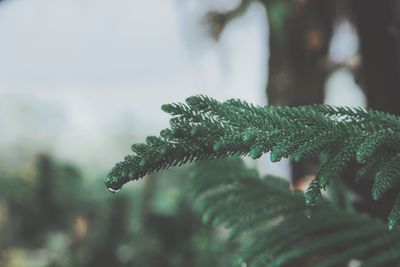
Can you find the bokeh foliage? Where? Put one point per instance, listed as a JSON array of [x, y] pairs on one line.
[[51, 214]]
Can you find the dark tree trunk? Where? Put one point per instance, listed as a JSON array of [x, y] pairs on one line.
[[378, 24], [300, 34]]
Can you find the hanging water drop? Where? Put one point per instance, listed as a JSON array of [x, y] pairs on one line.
[[307, 213], [112, 190], [354, 263]]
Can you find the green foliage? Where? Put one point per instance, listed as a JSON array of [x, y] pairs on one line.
[[53, 215], [236, 197], [203, 128]]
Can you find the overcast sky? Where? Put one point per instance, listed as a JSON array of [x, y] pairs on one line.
[[72, 72]]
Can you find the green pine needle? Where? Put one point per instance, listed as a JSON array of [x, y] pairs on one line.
[[236, 197], [204, 128]]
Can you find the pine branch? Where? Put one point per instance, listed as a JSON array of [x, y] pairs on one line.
[[203, 128], [236, 197]]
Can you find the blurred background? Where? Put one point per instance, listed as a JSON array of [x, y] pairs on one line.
[[80, 81]]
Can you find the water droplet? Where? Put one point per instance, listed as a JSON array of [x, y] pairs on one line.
[[392, 224], [307, 213], [112, 190], [354, 263]]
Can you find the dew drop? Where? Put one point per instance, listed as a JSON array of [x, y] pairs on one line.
[[112, 190], [354, 263], [392, 224], [307, 213]]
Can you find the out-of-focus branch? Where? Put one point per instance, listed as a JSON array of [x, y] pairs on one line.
[[218, 20]]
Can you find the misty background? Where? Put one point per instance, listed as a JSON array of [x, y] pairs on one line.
[[79, 77]]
